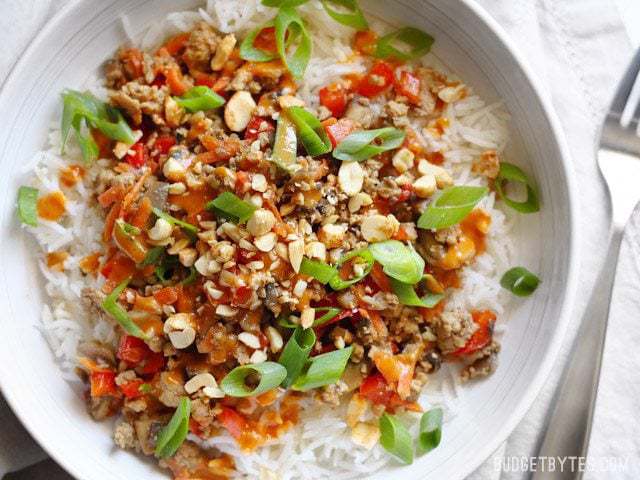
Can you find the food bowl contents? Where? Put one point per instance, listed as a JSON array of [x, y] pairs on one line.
[[265, 234]]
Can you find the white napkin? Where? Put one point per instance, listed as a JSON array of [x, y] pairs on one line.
[[579, 48]]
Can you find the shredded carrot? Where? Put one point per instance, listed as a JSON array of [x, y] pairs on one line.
[[110, 221], [111, 195], [380, 278], [143, 213], [132, 195], [175, 80]]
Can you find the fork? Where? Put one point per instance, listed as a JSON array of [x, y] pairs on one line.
[[569, 427]]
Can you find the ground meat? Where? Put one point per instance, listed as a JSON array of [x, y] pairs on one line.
[[429, 248], [171, 390], [397, 111], [114, 73], [359, 111], [453, 328], [103, 407], [449, 235], [190, 461], [201, 47], [97, 351], [124, 436], [483, 365], [137, 99], [146, 432], [488, 164]]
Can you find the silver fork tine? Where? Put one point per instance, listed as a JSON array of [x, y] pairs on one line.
[[625, 86]]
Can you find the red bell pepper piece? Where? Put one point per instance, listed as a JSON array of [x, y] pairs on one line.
[[379, 78], [334, 97]]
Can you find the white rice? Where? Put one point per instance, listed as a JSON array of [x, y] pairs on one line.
[[320, 446]]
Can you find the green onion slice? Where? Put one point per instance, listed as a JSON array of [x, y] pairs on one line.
[[165, 269], [288, 20], [283, 3], [271, 374], [512, 173], [187, 227], [395, 438], [324, 369], [365, 144], [145, 388], [318, 270], [295, 353], [229, 206], [82, 111], [311, 132], [189, 279], [174, 433], [331, 312], [199, 98], [520, 281], [337, 283], [249, 52], [398, 261], [430, 430], [154, 255], [127, 228], [451, 206], [28, 205], [285, 146], [348, 13], [408, 296], [112, 307], [405, 44]]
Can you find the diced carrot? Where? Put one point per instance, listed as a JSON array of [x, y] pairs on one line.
[[131, 389], [235, 423], [111, 195], [133, 62]]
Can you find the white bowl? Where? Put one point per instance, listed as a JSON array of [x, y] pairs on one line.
[[73, 45]]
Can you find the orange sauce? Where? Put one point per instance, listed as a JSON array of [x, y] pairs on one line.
[[55, 260], [149, 322], [271, 424], [70, 175], [460, 253], [52, 206], [476, 226], [193, 201], [437, 158], [90, 263]]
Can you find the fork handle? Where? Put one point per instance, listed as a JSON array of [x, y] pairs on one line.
[[568, 429]]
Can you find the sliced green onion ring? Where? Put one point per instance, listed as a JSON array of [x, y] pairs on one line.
[[408, 296], [284, 321], [289, 20], [331, 312], [295, 353], [395, 438], [168, 263], [174, 433], [112, 307], [451, 206], [337, 283], [318, 270], [283, 3], [348, 13], [405, 44], [271, 375], [81, 111], [285, 145], [199, 98], [154, 255], [512, 173], [325, 369], [430, 430], [28, 205], [312, 134], [251, 53], [187, 227], [189, 279], [398, 261], [360, 146], [520, 281], [229, 206]]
